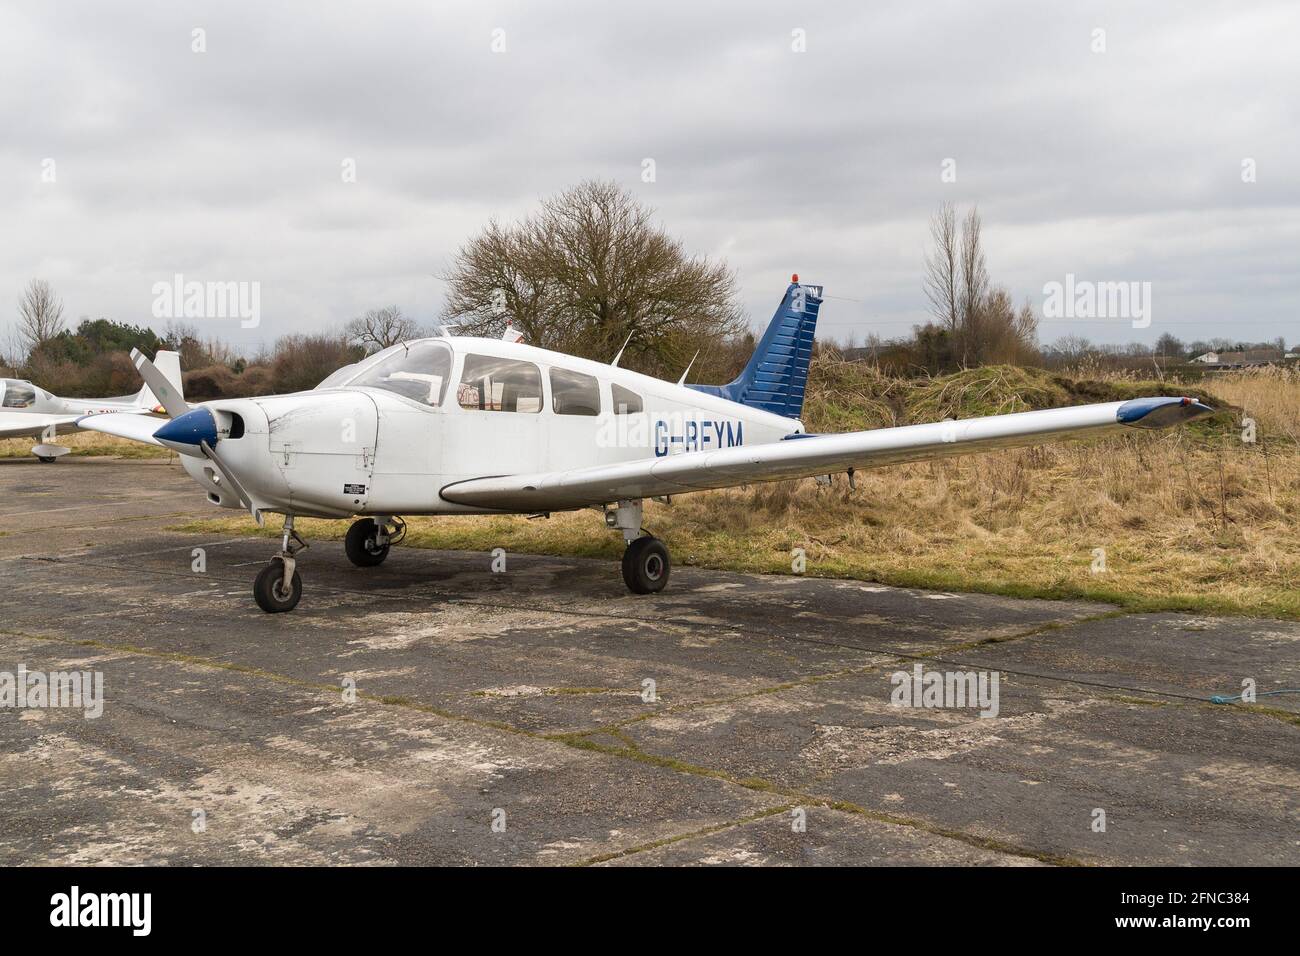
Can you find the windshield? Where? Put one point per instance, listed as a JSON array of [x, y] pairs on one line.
[[419, 371], [17, 394]]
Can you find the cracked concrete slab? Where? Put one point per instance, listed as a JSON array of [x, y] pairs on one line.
[[682, 728], [1178, 782], [828, 837], [1170, 653], [282, 773]]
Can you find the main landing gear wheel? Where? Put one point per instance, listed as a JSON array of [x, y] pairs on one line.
[[368, 541], [646, 565], [269, 589]]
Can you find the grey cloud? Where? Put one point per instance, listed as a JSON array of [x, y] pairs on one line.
[[1122, 165]]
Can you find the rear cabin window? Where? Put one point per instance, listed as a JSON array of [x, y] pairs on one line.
[[490, 384], [573, 393], [626, 401]]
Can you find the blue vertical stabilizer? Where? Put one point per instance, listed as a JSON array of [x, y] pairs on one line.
[[777, 373]]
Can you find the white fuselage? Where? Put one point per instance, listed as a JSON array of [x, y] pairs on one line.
[[384, 437]]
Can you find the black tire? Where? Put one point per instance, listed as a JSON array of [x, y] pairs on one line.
[[360, 544], [268, 589], [646, 566], [46, 459]]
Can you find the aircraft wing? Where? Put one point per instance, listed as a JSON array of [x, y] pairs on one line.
[[16, 424], [802, 456], [132, 425]]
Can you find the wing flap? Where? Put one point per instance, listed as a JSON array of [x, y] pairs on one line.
[[804, 456]]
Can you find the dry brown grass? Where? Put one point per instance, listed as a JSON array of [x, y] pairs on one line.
[[85, 444], [1270, 395]]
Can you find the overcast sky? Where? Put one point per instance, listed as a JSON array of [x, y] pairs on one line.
[[226, 165]]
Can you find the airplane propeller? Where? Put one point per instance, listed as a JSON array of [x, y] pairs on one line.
[[190, 428]]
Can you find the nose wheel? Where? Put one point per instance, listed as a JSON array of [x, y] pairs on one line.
[[278, 586], [270, 591]]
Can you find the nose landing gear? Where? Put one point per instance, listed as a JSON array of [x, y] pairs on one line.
[[278, 587]]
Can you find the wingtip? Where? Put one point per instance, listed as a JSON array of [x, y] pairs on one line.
[[1161, 412]]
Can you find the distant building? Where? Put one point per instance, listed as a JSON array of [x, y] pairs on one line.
[[1239, 358]]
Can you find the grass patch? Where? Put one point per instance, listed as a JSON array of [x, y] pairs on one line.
[[86, 445]]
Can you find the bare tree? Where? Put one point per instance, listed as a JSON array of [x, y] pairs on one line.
[[587, 272], [974, 288], [183, 337], [980, 320], [13, 353], [40, 314], [1026, 325], [1003, 334], [1071, 348], [1169, 346], [941, 281], [379, 328]]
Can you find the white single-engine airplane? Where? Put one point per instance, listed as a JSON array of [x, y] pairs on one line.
[[26, 409], [459, 425]]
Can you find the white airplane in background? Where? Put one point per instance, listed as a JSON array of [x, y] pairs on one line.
[[459, 425], [26, 409]]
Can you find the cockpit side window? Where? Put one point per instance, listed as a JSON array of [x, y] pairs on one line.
[[18, 394], [419, 371], [492, 384], [626, 401], [573, 393]]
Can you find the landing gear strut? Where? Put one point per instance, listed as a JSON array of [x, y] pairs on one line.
[[646, 564], [279, 585], [369, 539]]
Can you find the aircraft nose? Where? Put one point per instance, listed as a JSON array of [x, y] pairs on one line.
[[184, 432]]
